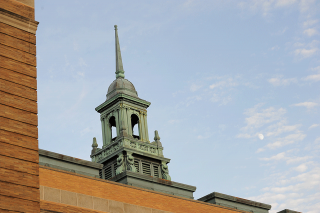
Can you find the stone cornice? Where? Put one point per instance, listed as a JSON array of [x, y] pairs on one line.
[[18, 21], [129, 98]]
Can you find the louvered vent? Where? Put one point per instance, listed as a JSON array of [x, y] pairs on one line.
[[136, 164], [108, 172], [156, 170], [146, 168], [115, 168], [100, 172]]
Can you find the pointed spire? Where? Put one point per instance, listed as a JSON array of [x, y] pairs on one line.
[[119, 65]]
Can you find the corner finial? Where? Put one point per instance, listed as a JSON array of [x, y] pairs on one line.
[[119, 65], [94, 146], [157, 138]]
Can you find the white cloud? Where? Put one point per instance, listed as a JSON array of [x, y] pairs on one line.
[[315, 77], [310, 32], [301, 168], [289, 139], [275, 47], [309, 23], [305, 53], [309, 105], [258, 119], [316, 68], [283, 156], [279, 128], [282, 82], [277, 157], [313, 126], [272, 123], [292, 160], [226, 83], [300, 192], [194, 87]]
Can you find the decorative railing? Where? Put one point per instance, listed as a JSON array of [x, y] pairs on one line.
[[129, 143]]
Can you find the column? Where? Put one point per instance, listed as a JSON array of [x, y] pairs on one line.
[[125, 119], [129, 122], [141, 127], [103, 131], [108, 135], [116, 115], [146, 126]]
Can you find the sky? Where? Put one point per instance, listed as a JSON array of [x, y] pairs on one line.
[[233, 85]]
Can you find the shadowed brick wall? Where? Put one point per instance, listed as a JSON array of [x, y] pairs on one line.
[[19, 170]]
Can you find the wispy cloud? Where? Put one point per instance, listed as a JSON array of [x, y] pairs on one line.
[[275, 47], [279, 81], [280, 142], [313, 126], [305, 53], [283, 156], [273, 125], [310, 32], [194, 87], [313, 77], [309, 23], [230, 82], [308, 105]]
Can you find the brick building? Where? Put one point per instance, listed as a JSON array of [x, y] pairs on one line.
[[127, 174]]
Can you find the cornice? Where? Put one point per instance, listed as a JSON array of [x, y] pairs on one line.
[[18, 21], [129, 98]]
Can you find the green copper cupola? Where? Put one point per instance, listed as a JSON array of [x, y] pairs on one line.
[[127, 154], [119, 65]]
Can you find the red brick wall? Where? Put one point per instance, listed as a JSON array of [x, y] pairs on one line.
[[123, 193], [19, 169]]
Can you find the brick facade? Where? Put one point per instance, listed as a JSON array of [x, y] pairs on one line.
[[19, 169]]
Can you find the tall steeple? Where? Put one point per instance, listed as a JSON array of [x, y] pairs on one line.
[[119, 65], [127, 154]]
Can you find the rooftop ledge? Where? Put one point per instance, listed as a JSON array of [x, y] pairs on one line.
[[69, 159], [234, 199]]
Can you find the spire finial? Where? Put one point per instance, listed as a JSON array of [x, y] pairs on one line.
[[119, 65], [94, 146]]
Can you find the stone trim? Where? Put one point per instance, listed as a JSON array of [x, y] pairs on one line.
[[18, 21], [142, 189], [69, 159], [234, 199], [89, 202]]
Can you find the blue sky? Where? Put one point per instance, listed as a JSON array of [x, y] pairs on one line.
[[233, 85]]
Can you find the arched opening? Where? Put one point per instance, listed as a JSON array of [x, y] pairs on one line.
[[113, 125], [135, 126]]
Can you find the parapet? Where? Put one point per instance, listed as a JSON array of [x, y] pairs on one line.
[[67, 163], [235, 202]]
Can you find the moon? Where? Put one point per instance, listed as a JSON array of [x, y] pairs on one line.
[[261, 137]]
